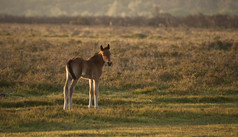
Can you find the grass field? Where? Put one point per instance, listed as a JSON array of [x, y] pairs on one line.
[[163, 82]]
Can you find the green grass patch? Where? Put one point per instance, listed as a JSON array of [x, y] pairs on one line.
[[46, 87], [146, 90], [125, 109], [24, 103], [198, 99]]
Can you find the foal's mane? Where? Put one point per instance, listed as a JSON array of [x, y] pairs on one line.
[[94, 56]]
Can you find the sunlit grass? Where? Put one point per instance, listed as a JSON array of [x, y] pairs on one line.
[[34, 114], [191, 130]]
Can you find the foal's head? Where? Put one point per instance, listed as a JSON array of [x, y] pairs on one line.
[[106, 54]]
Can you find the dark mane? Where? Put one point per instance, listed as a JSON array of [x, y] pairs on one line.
[[94, 56], [96, 53]]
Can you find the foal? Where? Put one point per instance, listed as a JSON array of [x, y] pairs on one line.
[[90, 69]]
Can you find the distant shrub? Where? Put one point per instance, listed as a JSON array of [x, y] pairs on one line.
[[1, 42], [137, 35], [5, 83], [218, 45], [234, 46], [221, 45], [140, 35], [166, 76]]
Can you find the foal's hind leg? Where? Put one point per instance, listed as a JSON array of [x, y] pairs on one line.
[[66, 89], [96, 92], [71, 90]]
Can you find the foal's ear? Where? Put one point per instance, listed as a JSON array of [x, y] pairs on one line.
[[108, 46], [101, 48]]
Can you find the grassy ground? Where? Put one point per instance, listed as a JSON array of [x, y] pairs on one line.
[[163, 82]]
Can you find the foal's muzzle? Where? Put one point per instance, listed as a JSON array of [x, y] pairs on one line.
[[109, 63]]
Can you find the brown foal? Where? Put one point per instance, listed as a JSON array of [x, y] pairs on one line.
[[90, 69]]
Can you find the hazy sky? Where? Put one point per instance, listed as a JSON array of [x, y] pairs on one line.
[[116, 7]]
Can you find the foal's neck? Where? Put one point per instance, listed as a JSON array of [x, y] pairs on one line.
[[97, 59]]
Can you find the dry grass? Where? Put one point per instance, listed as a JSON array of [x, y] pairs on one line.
[[181, 59], [164, 81]]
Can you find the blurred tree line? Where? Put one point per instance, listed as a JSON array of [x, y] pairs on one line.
[[160, 20]]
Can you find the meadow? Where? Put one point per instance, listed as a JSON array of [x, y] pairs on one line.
[[164, 81]]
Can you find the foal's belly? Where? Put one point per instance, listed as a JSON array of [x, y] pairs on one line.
[[85, 77]]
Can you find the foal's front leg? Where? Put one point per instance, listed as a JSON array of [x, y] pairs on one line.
[[91, 90]]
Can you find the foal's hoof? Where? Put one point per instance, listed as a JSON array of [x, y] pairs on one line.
[[90, 106], [65, 107]]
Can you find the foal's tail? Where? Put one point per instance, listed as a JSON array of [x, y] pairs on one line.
[[69, 67]]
